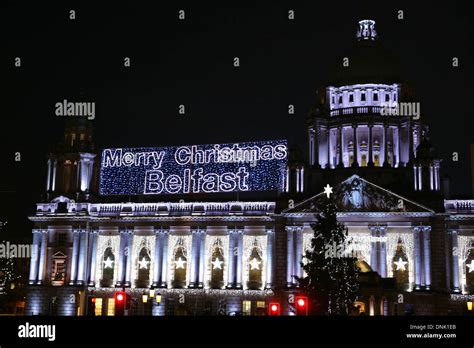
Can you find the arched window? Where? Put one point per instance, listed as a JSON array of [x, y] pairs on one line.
[[108, 263], [217, 265], [143, 267], [255, 267], [400, 266], [180, 262]]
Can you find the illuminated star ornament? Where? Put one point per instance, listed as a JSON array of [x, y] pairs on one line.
[[143, 263], [400, 264], [217, 263], [254, 264], [470, 266], [180, 263], [108, 263], [328, 190]]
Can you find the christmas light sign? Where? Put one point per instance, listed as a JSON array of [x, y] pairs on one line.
[[251, 166]]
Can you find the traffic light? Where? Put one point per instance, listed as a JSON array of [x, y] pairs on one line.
[[120, 300], [301, 305], [91, 306], [273, 309]]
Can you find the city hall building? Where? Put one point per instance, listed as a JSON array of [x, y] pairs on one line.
[[165, 226]]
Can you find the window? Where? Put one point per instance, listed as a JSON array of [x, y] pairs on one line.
[[255, 267], [110, 306], [108, 264], [376, 96], [180, 265], [351, 98], [340, 99], [217, 265], [143, 267], [362, 97], [98, 306], [261, 308], [61, 239], [387, 97], [332, 100], [82, 136], [246, 308], [59, 271]]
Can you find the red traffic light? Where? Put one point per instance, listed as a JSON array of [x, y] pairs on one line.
[[93, 299], [301, 305], [119, 297], [274, 308]]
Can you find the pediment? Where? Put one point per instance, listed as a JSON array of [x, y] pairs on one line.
[[356, 194]]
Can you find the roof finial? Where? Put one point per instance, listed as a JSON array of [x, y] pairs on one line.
[[366, 30]]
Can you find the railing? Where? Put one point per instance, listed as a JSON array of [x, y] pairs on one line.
[[156, 209], [357, 110], [459, 205]]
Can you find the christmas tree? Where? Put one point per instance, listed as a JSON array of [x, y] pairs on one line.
[[330, 278]]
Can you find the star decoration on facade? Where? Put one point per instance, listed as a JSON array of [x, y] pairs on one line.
[[108, 263], [400, 264], [217, 263], [180, 263], [254, 264], [470, 266], [143, 263], [328, 190]]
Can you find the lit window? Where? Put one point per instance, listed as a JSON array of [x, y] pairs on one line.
[[82, 136], [98, 306], [110, 307], [246, 307], [260, 304]]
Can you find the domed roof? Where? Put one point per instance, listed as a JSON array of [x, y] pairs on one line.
[[368, 62]]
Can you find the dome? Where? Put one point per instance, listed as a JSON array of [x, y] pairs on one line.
[[368, 62]]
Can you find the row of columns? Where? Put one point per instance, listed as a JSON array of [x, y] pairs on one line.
[[315, 143], [378, 254], [84, 258], [294, 254]]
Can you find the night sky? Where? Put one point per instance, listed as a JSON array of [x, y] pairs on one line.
[[190, 62]]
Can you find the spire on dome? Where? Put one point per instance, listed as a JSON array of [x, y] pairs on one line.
[[366, 30]]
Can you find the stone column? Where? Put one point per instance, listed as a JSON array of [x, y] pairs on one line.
[[355, 143], [373, 250], [202, 258], [93, 253], [328, 164], [240, 246], [194, 258], [128, 255], [455, 258], [75, 250], [299, 251], [418, 269], [121, 258], [427, 256], [164, 253], [289, 254], [385, 146], [232, 256], [42, 261], [157, 266], [341, 162], [81, 277], [316, 147], [35, 257], [269, 270], [383, 252], [370, 161], [410, 143]]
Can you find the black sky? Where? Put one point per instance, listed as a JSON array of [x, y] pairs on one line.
[[190, 62]]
